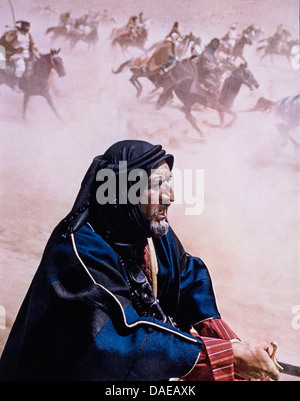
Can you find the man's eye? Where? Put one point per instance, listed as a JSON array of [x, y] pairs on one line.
[[157, 182]]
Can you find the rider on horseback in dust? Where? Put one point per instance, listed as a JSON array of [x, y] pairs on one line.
[[279, 40], [209, 69], [164, 57], [80, 26], [135, 26], [20, 49], [66, 20], [131, 28], [229, 40], [84, 24], [141, 24]]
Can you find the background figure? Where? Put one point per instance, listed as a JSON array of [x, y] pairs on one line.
[[20, 48]]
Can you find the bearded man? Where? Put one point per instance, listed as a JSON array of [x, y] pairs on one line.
[[116, 295]]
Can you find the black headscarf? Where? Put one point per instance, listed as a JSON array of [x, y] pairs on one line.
[[123, 226]]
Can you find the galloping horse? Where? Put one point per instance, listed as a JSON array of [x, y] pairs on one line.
[[222, 103], [36, 82], [75, 35], [138, 68], [238, 48], [124, 40], [57, 32], [138, 65], [91, 38], [272, 48], [287, 116]]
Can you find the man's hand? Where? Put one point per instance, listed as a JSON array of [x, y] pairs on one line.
[[252, 361]]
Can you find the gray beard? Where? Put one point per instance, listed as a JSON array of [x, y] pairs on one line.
[[159, 228]]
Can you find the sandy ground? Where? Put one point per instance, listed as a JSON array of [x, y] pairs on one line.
[[248, 232]]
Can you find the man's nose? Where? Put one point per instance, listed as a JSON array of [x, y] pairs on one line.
[[172, 197], [167, 194]]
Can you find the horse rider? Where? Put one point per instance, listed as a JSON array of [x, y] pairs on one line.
[[196, 48], [104, 18], [140, 21], [66, 20], [83, 25], [141, 24], [20, 49], [209, 69], [131, 28], [279, 40], [174, 34], [167, 50], [230, 37]]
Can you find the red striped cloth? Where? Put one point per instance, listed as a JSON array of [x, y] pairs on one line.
[[216, 328], [215, 362]]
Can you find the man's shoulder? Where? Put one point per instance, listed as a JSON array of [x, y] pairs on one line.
[[86, 234], [87, 243]]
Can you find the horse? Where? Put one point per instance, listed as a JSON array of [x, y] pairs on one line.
[[125, 41], [57, 32], [138, 68], [287, 114], [239, 47], [138, 65], [35, 82], [75, 35], [237, 50], [254, 33], [91, 38], [273, 48], [222, 103]]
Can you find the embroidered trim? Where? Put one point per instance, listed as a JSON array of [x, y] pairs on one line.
[[154, 265]]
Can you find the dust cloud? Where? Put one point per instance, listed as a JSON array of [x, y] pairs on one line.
[[248, 233]]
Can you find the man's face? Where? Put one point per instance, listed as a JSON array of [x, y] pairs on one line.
[[215, 44], [157, 198], [25, 29]]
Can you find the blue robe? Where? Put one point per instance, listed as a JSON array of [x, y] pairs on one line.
[[77, 321]]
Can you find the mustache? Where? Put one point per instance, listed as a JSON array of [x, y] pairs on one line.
[[161, 209], [158, 229]]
